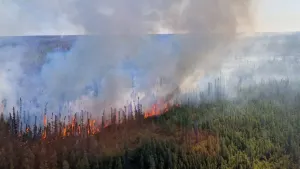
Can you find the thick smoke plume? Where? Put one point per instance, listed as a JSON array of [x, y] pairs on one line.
[[119, 32]]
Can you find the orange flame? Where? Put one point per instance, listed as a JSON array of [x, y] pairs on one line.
[[45, 124], [92, 128], [64, 131], [157, 109]]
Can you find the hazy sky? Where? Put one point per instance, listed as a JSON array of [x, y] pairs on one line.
[[49, 18], [277, 15]]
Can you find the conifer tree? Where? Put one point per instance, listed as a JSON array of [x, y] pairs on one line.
[[17, 124], [35, 128], [124, 115], [10, 122], [55, 126], [14, 123], [103, 121], [2, 117], [39, 135]]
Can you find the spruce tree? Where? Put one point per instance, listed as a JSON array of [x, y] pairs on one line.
[[14, 123]]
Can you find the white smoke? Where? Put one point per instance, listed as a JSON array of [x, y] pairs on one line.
[[121, 28]]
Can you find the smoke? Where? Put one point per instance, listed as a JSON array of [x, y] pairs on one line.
[[119, 31]]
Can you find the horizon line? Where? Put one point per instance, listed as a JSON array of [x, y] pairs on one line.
[[62, 35]]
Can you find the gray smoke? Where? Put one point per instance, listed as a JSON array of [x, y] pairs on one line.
[[119, 30]]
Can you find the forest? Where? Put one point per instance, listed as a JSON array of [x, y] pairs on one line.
[[258, 129]]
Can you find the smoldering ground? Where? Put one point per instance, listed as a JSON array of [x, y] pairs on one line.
[[119, 32]]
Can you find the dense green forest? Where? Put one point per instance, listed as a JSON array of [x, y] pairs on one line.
[[259, 129]]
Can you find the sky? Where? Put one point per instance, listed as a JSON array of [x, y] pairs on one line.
[[49, 19], [277, 16]]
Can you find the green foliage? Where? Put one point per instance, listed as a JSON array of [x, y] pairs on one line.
[[258, 130]]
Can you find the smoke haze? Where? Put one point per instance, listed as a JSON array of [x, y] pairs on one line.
[[119, 30]]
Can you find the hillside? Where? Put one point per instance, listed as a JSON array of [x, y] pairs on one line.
[[257, 130]]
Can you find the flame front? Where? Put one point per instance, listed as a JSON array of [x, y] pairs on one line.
[[157, 109], [92, 127]]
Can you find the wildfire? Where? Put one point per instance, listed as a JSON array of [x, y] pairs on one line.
[[83, 127], [92, 127], [75, 128], [65, 132], [45, 124], [162, 106], [156, 110]]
